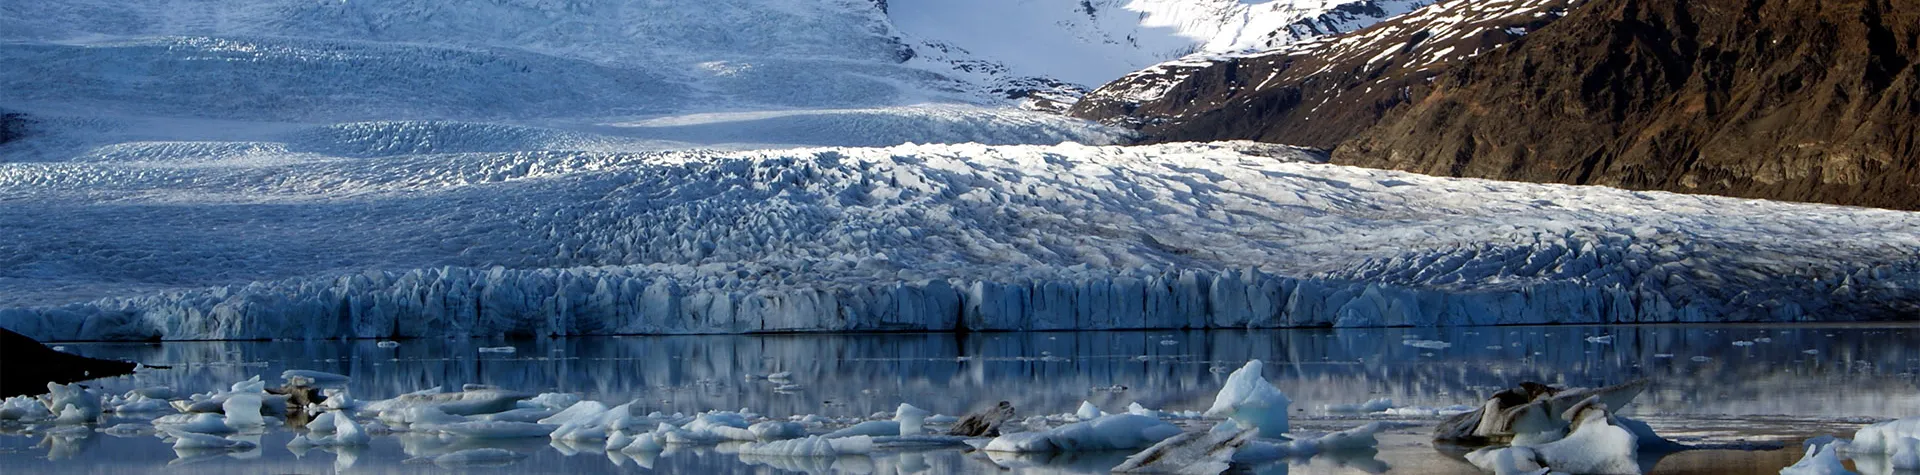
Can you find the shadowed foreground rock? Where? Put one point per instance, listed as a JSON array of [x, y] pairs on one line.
[[26, 366]]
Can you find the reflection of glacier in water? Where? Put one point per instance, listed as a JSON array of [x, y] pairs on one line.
[[1807, 373]]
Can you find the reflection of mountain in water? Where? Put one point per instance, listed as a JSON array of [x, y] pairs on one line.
[[1855, 371]]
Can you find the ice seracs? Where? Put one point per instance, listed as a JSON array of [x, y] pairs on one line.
[[1250, 401], [790, 240]]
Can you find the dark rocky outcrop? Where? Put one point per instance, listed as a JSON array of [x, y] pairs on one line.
[[1805, 100], [1317, 93], [26, 366]]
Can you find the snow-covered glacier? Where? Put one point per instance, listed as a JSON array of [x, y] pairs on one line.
[[270, 244]]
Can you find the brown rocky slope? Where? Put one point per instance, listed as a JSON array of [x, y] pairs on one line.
[[1804, 100]]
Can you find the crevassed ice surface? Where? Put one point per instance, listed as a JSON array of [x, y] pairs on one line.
[[265, 243]]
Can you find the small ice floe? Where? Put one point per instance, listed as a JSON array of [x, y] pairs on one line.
[[768, 431], [317, 378], [1822, 458], [1371, 406], [907, 420], [135, 403], [387, 344], [781, 377], [1811, 352], [524, 414], [789, 388], [497, 349], [1168, 342], [1087, 411], [128, 429], [1763, 340], [496, 430], [1428, 344], [196, 441], [345, 433], [1600, 339], [1422, 411], [1139, 410], [485, 401], [1251, 401], [199, 423], [1111, 432], [1742, 343], [1208, 452], [811, 446], [70, 404], [555, 401]]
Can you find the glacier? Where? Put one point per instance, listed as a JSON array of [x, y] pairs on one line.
[[233, 169], [910, 237]]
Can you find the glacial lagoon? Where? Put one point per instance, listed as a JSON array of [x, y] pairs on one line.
[[1749, 394]]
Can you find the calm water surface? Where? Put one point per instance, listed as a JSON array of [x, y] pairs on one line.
[[1789, 383]]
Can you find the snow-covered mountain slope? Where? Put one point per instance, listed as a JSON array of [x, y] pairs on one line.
[[1315, 92], [299, 60], [257, 240], [1090, 42]]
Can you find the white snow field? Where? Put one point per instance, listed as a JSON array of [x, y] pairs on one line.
[[914, 237]]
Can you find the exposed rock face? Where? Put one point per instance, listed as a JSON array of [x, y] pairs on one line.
[[1806, 100], [1779, 99], [26, 366], [1316, 93]]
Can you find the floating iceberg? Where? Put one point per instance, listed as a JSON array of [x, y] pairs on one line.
[[1110, 432], [1372, 405], [1252, 402], [1822, 458], [1884, 437], [811, 446], [1595, 446]]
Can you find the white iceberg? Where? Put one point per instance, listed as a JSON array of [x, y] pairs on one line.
[[1595, 446], [1252, 402], [1821, 458]]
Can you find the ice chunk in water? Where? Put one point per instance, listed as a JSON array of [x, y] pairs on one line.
[[243, 410], [1087, 411], [1110, 432], [911, 418], [197, 441], [1250, 400], [315, 377], [1822, 458], [1596, 446], [811, 446], [1881, 438]]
